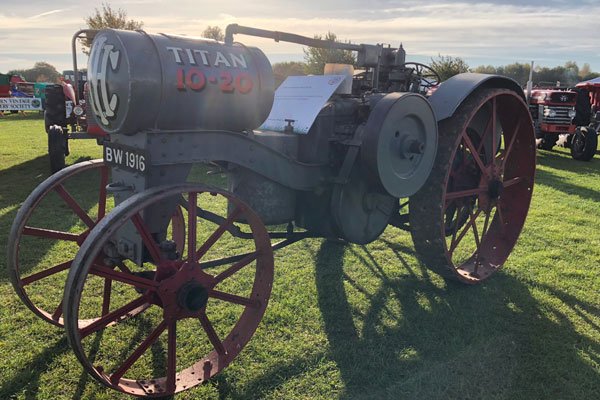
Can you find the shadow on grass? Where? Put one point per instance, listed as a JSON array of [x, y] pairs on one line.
[[451, 341], [27, 380], [547, 178], [564, 161]]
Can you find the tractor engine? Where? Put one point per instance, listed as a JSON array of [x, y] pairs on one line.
[[376, 143]]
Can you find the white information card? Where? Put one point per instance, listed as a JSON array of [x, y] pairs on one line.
[[300, 98]]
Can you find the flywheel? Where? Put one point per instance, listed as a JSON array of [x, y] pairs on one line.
[[400, 143]]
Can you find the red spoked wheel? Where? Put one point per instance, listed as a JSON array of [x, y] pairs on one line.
[[205, 304], [50, 227], [468, 216]]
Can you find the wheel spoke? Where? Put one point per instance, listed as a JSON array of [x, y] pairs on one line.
[[212, 334], [102, 195], [458, 219], [500, 215], [106, 296], [123, 277], [58, 312], [485, 224], [485, 133], [171, 356], [471, 147], [62, 192], [147, 238], [192, 226], [50, 234], [464, 193], [116, 376], [493, 128], [222, 261], [512, 181], [510, 145], [475, 232], [454, 244], [124, 268], [477, 242], [219, 232], [236, 267], [47, 272], [105, 320], [232, 298]]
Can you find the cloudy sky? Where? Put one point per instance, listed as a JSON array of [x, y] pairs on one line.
[[495, 32]]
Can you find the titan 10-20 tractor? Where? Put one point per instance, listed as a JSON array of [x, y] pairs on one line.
[[150, 260]]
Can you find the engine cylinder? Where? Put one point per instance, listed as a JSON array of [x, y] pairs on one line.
[[144, 81]]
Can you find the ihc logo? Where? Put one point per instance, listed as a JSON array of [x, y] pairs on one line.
[[102, 54], [564, 98]]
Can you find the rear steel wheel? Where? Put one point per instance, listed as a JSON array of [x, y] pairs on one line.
[[204, 306], [39, 253], [468, 216]]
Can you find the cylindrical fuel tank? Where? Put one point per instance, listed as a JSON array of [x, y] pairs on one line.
[[144, 81]]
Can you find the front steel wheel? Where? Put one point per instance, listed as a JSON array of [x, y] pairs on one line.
[[202, 307], [49, 228], [468, 216], [40, 253]]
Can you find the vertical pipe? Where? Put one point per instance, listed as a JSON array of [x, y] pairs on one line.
[[530, 82]]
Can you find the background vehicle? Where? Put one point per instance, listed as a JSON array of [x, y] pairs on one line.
[[552, 110], [585, 141], [65, 115], [561, 112]]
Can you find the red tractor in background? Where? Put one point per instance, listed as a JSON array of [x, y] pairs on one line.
[[561, 111], [66, 108], [588, 114]]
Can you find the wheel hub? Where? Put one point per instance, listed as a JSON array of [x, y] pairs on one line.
[[192, 296], [495, 188], [185, 293]]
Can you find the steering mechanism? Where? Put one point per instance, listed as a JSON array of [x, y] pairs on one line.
[[422, 77]]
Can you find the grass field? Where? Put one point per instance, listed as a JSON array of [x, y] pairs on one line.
[[350, 321]]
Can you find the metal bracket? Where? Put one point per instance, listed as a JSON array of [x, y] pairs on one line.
[[354, 145]]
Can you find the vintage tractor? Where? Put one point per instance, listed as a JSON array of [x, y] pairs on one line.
[[167, 280], [560, 112], [65, 107], [585, 141]]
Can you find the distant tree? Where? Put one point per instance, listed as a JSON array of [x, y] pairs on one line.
[[41, 72], [213, 32], [315, 58], [448, 66], [568, 74], [284, 69], [585, 73], [517, 71], [486, 69], [109, 18]]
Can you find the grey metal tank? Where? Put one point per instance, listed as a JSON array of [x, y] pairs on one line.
[[144, 81]]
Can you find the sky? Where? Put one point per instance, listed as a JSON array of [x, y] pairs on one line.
[[495, 32]]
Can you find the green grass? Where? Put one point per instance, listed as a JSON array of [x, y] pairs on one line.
[[349, 321]]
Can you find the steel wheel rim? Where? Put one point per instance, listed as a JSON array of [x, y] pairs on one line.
[[224, 350], [509, 172], [19, 226]]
